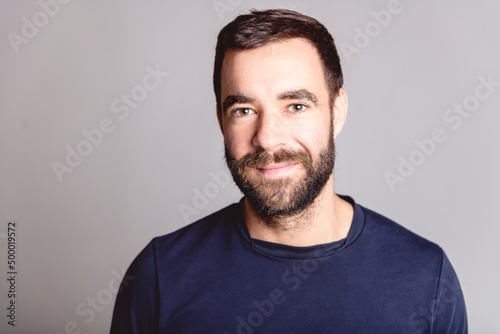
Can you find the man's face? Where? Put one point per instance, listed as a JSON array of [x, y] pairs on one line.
[[277, 125]]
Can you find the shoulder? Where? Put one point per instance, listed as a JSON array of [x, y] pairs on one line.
[[391, 237], [160, 262], [190, 238], [196, 235], [424, 267]]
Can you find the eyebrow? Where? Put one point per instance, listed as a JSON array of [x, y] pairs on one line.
[[299, 94], [234, 99]]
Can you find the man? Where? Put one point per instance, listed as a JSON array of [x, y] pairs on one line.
[[291, 256]]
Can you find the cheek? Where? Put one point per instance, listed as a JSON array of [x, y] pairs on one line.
[[313, 135], [238, 141]]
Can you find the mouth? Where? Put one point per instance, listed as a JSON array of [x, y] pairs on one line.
[[277, 169]]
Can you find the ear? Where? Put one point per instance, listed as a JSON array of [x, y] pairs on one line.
[[219, 118], [339, 112]]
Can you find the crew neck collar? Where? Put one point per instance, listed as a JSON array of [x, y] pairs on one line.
[[293, 252]]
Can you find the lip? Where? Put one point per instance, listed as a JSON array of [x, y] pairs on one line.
[[276, 169]]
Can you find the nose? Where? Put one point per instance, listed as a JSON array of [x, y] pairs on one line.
[[271, 133]]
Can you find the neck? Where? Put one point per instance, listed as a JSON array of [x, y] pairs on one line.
[[326, 220]]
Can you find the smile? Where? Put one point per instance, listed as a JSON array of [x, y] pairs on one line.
[[277, 169]]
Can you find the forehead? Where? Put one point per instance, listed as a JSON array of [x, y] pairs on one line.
[[275, 67]]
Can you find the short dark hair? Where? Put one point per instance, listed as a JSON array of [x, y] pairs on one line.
[[259, 28]]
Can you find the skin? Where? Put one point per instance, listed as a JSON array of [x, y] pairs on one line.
[[275, 113]]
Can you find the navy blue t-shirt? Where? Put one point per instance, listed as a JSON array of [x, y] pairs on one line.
[[212, 277]]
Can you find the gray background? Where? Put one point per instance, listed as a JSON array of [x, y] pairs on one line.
[[74, 236]]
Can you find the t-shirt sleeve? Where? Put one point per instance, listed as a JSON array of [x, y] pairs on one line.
[[449, 313], [136, 306]]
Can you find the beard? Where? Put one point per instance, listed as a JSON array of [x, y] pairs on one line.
[[285, 196]]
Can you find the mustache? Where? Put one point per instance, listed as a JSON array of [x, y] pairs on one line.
[[262, 158]]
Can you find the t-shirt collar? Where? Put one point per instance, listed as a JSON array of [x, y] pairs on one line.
[[293, 252]]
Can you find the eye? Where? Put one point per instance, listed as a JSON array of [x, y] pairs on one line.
[[297, 108], [242, 112]]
